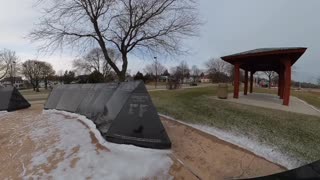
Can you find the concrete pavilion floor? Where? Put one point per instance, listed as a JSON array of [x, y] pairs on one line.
[[273, 102]]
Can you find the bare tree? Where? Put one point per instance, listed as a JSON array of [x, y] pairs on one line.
[[318, 80], [219, 70], [181, 71], [156, 68], [152, 26], [33, 71], [195, 71], [271, 75], [4, 67], [95, 61], [217, 65], [8, 64], [46, 72]]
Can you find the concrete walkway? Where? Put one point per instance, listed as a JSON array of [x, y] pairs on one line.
[[273, 102]]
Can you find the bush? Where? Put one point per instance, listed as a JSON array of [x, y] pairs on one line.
[[96, 77]]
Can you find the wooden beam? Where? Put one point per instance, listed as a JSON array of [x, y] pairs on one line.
[[287, 82], [251, 81], [281, 83], [246, 83], [236, 80]]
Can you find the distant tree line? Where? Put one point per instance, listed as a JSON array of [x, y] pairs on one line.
[[36, 71], [33, 70], [305, 85]]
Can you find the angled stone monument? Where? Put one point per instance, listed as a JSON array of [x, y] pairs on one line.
[[12, 100], [123, 112]]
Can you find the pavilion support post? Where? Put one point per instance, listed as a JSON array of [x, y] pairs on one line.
[[281, 81], [287, 82], [279, 84], [251, 81], [246, 83], [236, 80]]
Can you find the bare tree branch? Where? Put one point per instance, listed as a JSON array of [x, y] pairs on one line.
[[130, 26], [270, 75], [35, 70], [216, 65], [8, 61], [94, 61]]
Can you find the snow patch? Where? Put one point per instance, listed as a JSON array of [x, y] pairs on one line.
[[270, 153], [78, 157], [3, 113]]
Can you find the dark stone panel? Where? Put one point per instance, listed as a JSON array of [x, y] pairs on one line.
[[5, 95], [72, 96], [138, 122], [92, 105], [11, 99], [55, 97], [17, 101]]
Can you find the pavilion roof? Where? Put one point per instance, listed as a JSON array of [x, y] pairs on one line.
[[265, 59]]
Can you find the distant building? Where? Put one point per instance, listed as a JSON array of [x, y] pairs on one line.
[[18, 82], [163, 78], [205, 79]]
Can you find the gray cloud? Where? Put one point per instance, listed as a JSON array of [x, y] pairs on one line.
[[235, 26]]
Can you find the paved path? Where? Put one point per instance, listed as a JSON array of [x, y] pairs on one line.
[[206, 157], [273, 102]]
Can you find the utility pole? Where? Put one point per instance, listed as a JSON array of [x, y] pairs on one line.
[[156, 68], [14, 72], [11, 74]]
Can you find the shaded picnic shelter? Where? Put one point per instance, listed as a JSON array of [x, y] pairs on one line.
[[279, 60]]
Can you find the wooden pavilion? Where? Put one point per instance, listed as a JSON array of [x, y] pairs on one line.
[[279, 60]]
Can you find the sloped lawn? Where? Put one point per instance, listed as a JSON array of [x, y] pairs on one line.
[[294, 134]]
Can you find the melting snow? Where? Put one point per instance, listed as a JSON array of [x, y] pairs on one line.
[[272, 154], [77, 156], [3, 113]]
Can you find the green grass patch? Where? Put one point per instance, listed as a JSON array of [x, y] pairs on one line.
[[31, 95], [295, 134]]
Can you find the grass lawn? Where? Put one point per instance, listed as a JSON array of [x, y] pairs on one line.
[[31, 95], [296, 135]]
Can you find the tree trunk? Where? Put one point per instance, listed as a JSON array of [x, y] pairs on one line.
[[37, 86], [33, 85], [122, 74], [12, 81], [45, 83], [269, 82], [7, 72]]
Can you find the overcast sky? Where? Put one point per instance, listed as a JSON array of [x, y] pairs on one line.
[[231, 26]]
